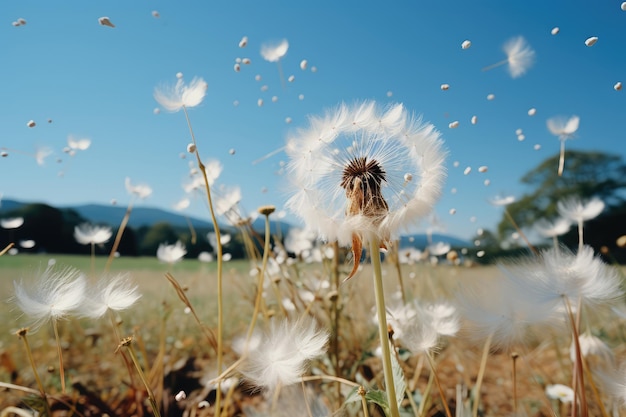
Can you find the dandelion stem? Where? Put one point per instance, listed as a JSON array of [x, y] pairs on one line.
[[5, 250], [22, 334], [578, 370], [497, 64], [259, 290], [330, 378], [481, 375], [335, 315], [118, 236], [218, 237], [128, 344], [522, 234], [580, 235], [433, 369], [60, 353], [514, 357], [561, 157], [382, 326], [361, 391]]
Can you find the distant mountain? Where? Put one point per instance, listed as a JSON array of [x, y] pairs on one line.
[[420, 241], [144, 216], [140, 216]]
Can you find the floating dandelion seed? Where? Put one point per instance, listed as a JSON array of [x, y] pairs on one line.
[[467, 171], [243, 42], [466, 44], [521, 137], [555, 30], [246, 61], [191, 148], [156, 110], [264, 88], [456, 164], [174, 98], [237, 67], [591, 41], [617, 86], [274, 99], [259, 102], [231, 151], [291, 78], [454, 125], [487, 183], [452, 211], [389, 93], [537, 147], [303, 64], [273, 52], [287, 120], [171, 253], [482, 169], [623, 6], [519, 57], [564, 129], [105, 21], [301, 97], [78, 144], [445, 87], [363, 153], [156, 14], [257, 77], [532, 111], [474, 120], [31, 123], [491, 96]]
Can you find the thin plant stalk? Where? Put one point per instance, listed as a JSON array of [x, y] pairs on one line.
[[580, 235], [433, 369], [396, 262], [22, 334], [118, 236], [382, 326], [93, 259], [514, 357], [594, 389], [127, 342], [335, 315], [481, 375], [259, 294], [561, 157], [6, 249], [220, 295], [330, 378], [60, 353], [361, 391], [522, 234], [578, 369], [497, 64], [306, 399], [426, 394]]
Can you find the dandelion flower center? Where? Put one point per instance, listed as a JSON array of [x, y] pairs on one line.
[[362, 180]]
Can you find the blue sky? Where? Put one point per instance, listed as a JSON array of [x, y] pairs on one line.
[[97, 82]]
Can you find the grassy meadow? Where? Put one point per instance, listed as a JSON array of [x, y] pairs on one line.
[[176, 356]]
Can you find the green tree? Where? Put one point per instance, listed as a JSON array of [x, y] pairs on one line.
[[159, 233], [586, 175]]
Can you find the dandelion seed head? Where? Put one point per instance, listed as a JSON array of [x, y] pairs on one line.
[[112, 292], [520, 56], [88, 234], [347, 169], [174, 98], [273, 52], [140, 190], [171, 253], [577, 210]]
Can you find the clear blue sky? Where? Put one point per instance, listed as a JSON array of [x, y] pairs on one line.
[[97, 82]]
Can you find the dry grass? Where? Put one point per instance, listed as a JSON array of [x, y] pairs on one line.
[[165, 334]]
